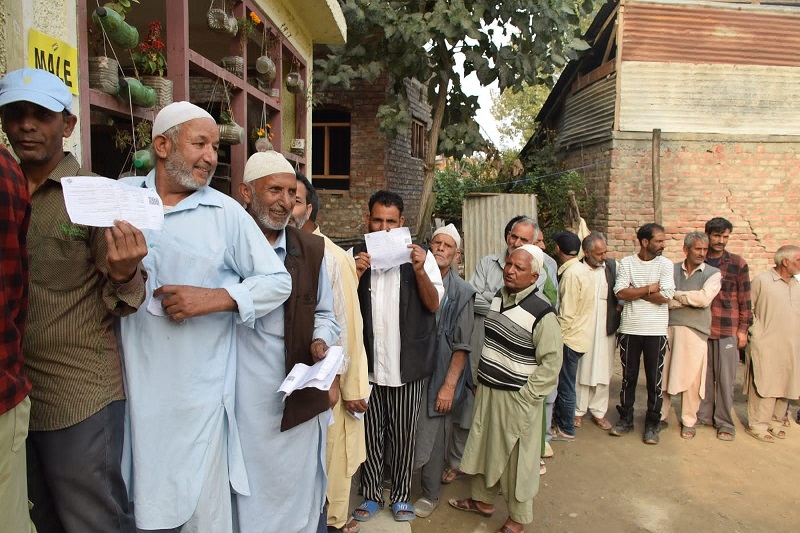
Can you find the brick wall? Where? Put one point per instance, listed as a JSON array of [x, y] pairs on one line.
[[753, 182], [375, 162]]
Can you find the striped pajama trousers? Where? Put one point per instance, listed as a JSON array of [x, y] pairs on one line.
[[391, 430]]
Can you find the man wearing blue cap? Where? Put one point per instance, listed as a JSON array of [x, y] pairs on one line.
[[81, 279]]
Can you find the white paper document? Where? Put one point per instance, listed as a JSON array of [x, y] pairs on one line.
[[154, 306], [359, 416], [97, 201], [320, 375], [388, 249]]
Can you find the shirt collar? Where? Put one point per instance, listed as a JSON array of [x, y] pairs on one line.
[[509, 298], [566, 265], [205, 196], [280, 244], [68, 166], [701, 268]]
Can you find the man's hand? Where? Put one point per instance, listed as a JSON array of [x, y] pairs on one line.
[[333, 394], [444, 399], [362, 263], [417, 257], [184, 301], [356, 406], [318, 349], [741, 339], [126, 249]]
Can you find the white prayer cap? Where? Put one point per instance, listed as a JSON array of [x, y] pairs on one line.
[[266, 163], [177, 113], [538, 256], [451, 231]]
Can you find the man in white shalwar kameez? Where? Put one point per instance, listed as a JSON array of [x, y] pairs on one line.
[[208, 269], [284, 441], [596, 365]]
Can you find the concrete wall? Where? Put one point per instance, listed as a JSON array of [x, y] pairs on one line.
[[753, 182]]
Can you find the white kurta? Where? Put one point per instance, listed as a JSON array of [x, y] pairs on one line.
[[286, 469], [596, 365]]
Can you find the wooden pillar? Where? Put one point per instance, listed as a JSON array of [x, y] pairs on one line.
[[656, 177], [83, 78], [239, 109], [177, 32]]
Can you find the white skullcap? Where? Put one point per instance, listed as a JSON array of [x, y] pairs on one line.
[[177, 113], [538, 256], [266, 163], [451, 231]]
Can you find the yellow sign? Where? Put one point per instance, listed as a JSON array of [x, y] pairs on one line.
[[57, 57]]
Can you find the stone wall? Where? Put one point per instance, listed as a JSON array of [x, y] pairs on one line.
[[753, 182]]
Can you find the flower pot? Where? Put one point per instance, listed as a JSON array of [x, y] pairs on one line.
[[217, 20], [104, 75], [119, 32], [131, 88], [294, 83], [234, 65], [262, 144], [232, 26], [231, 133], [266, 69], [163, 88], [298, 146]]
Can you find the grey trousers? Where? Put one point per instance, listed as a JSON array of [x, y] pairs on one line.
[[74, 477], [429, 452], [717, 407]]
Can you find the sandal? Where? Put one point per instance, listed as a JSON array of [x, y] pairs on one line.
[[688, 432], [602, 423], [451, 474], [542, 467], [403, 512], [468, 505], [778, 433], [763, 437], [351, 527], [370, 507], [558, 434], [725, 435], [425, 507], [578, 421]]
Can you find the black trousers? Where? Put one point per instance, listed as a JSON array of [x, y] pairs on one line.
[[651, 348], [74, 476]]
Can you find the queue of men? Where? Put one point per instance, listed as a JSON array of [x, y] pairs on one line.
[[139, 369]]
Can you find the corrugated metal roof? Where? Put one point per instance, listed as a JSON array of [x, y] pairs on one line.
[[710, 34], [589, 114], [485, 216], [731, 99]]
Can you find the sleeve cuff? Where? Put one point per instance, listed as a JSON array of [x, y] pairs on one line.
[[244, 301]]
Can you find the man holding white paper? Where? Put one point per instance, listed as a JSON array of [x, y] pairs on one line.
[[81, 279], [284, 441], [398, 306], [212, 270]]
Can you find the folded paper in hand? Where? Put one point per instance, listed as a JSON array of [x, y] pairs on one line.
[[97, 201], [320, 375]]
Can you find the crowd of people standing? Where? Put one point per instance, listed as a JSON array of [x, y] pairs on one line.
[[139, 368]]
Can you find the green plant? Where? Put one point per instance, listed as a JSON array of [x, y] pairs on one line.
[[248, 27], [121, 6], [149, 56]]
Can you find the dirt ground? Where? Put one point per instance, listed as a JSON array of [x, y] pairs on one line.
[[600, 483]]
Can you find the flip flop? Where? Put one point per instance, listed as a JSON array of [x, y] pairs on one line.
[[725, 435], [351, 527], [777, 433], [602, 423], [425, 507], [763, 437], [403, 512], [559, 435], [688, 432], [451, 474], [368, 506], [468, 505]]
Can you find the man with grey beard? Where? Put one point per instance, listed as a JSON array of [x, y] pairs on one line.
[[209, 269]]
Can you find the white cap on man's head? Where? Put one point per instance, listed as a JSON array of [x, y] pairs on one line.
[[538, 256], [266, 163], [451, 231], [177, 113]]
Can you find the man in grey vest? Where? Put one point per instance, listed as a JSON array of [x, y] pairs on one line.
[[696, 285]]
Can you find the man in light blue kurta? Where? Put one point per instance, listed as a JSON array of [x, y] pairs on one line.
[[211, 269], [284, 454]]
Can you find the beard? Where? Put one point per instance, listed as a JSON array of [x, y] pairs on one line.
[[299, 222], [181, 172], [262, 216]]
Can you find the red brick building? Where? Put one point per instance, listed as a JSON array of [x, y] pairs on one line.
[[682, 111], [351, 159]]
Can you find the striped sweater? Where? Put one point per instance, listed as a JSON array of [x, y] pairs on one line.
[[509, 357]]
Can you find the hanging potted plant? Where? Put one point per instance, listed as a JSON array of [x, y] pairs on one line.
[[248, 27], [150, 63], [219, 20], [229, 131], [294, 83], [111, 18], [103, 70], [262, 137], [266, 71]]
